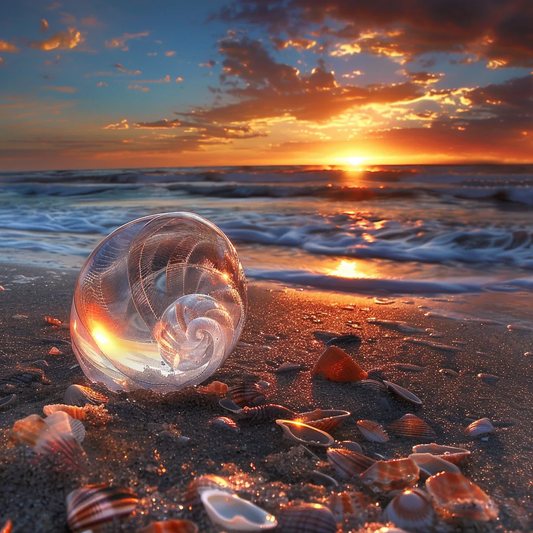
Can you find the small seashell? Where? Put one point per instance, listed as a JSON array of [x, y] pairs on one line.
[[170, 526], [233, 513], [449, 372], [372, 431], [246, 394], [336, 365], [8, 401], [318, 478], [451, 454], [62, 422], [391, 475], [55, 351], [411, 426], [307, 518], [372, 385], [203, 483], [411, 509], [224, 422], [457, 495], [407, 367], [216, 388], [480, 427], [432, 464], [229, 405], [345, 505], [324, 419], [488, 378], [404, 394], [80, 395], [95, 504], [304, 434], [288, 367], [347, 342], [352, 446], [79, 413], [348, 463], [8, 526], [54, 321], [266, 412]]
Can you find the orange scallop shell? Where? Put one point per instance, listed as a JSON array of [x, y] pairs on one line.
[[391, 475], [336, 365], [452, 454], [216, 387], [349, 463], [411, 426]]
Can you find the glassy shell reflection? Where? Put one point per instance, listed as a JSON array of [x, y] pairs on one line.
[[160, 304]]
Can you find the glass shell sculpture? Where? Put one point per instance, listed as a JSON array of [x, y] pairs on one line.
[[159, 304]]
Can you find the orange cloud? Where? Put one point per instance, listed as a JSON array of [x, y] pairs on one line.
[[61, 40], [166, 79], [170, 53], [119, 42], [122, 125], [54, 6], [57, 59], [139, 87], [1, 60], [179, 79], [61, 89], [67, 18], [101, 84], [423, 78], [208, 64], [44, 26], [8, 47]]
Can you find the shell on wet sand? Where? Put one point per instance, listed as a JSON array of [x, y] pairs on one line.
[[336, 365], [7, 401], [412, 509], [352, 446], [235, 514], [80, 395], [201, 484], [266, 412], [247, 394], [480, 427], [457, 495], [348, 504], [452, 454], [432, 464], [391, 475], [411, 426], [224, 422], [324, 419], [349, 463], [303, 434], [79, 413], [95, 504], [307, 518], [403, 393], [372, 431], [216, 388], [170, 526]]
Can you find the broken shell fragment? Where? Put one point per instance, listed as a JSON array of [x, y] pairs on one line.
[[411, 426], [457, 495], [372, 431], [432, 464], [483, 426], [78, 413], [451, 454], [266, 412], [303, 434], [8, 400], [8, 526], [307, 518], [216, 388], [324, 419], [224, 422], [391, 475], [233, 513], [403, 393], [412, 510], [348, 463], [336, 365], [80, 395], [170, 526]]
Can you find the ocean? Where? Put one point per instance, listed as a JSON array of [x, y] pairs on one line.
[[389, 230]]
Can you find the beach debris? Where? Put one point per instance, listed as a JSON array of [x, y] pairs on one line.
[[491, 379], [55, 351], [318, 478], [389, 475], [480, 427], [352, 446], [408, 367], [449, 372], [348, 463], [452, 454], [201, 484], [235, 514], [216, 388], [224, 422], [410, 425], [261, 412], [54, 321], [458, 496], [247, 394], [25, 377], [7, 401], [384, 301], [403, 393], [170, 526], [307, 518], [397, 325], [372, 431], [519, 328], [78, 413], [303, 434], [432, 464], [336, 365], [80, 395], [95, 504], [412, 509], [289, 367], [324, 419]]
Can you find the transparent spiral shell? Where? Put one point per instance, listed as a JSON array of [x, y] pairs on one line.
[[159, 304]]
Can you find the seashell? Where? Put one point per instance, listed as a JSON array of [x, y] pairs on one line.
[[459, 496], [411, 426], [348, 463], [25, 377], [216, 387], [8, 401], [345, 504], [432, 464], [391, 475], [449, 372], [347, 342], [233, 513], [480, 427], [336, 365], [304, 434], [407, 367], [229, 405], [246, 394], [288, 367], [411, 509], [406, 395], [95, 504], [266, 412], [80, 395], [352, 446], [372, 431], [491, 379], [78, 413], [372, 385], [449, 453], [307, 518], [324, 419], [224, 422], [170, 526], [8, 526], [62, 423], [54, 321], [318, 478], [203, 483]]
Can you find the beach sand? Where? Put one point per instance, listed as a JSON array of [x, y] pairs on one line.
[[140, 448]]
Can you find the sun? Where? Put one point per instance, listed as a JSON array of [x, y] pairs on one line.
[[353, 162]]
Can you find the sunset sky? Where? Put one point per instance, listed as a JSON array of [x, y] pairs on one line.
[[141, 83]]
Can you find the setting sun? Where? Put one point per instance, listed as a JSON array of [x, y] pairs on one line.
[[354, 162], [346, 269]]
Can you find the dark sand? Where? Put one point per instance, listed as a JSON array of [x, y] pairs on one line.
[[139, 448]]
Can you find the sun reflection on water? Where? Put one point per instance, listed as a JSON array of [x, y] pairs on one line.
[[346, 269]]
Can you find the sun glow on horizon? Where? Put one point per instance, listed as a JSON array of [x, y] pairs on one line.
[[354, 162], [346, 269]]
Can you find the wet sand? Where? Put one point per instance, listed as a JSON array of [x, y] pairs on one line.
[[140, 447]]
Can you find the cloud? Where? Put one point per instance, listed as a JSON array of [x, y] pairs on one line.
[[44, 26], [119, 42], [423, 78], [1, 60], [170, 53], [54, 5], [61, 89], [300, 43], [8, 47], [139, 87], [61, 40], [67, 18], [179, 79], [101, 84], [122, 125], [166, 79], [151, 54], [56, 60], [208, 64], [92, 21], [118, 66]]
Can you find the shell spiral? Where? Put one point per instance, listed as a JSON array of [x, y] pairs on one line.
[[160, 304]]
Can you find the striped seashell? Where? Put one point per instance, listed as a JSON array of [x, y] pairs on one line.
[[62, 422], [372, 431], [224, 422], [391, 475], [324, 419], [411, 426], [336, 365], [95, 504], [432, 464], [8, 526], [54, 321], [266, 412], [480, 427], [80, 395], [8, 401], [412, 509], [246, 394], [347, 463], [451, 454], [403, 393], [79, 413], [203, 483], [345, 504], [372, 385], [170, 526], [352, 446], [457, 495], [303, 434], [307, 518], [216, 388], [25, 377]]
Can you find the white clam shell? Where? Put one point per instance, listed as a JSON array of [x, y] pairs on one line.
[[304, 434], [411, 509], [480, 427], [431, 464], [235, 514], [403, 393]]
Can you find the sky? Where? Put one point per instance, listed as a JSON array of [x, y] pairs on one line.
[[167, 83]]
